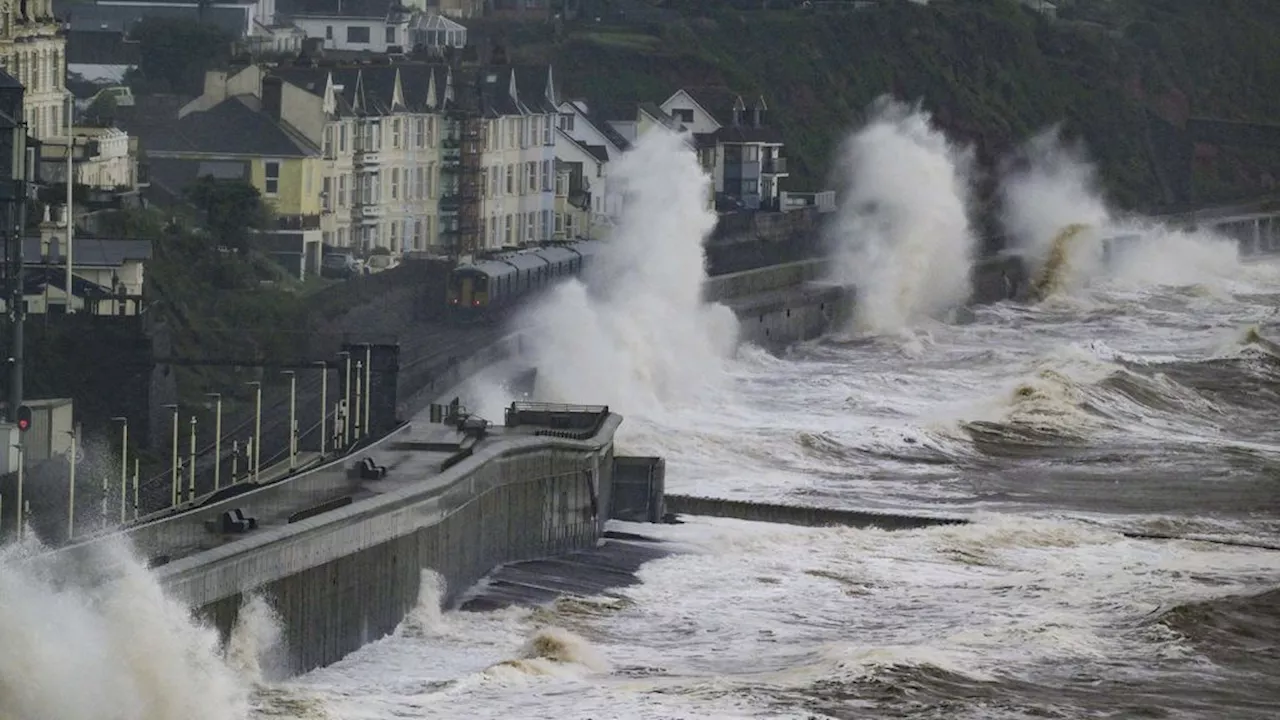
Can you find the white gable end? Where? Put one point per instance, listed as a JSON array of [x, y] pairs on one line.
[[688, 112]]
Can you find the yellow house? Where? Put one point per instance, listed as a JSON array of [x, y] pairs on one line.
[[237, 139], [290, 184]]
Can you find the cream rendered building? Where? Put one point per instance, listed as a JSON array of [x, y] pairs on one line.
[[390, 151], [518, 184], [34, 51]]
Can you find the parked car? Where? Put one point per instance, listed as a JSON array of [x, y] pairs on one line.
[[378, 263], [339, 265]]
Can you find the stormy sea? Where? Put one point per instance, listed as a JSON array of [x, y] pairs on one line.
[[1114, 439]]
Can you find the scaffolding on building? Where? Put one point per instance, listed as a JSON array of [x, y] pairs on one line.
[[462, 161]]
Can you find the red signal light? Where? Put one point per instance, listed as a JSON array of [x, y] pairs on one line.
[[24, 418]]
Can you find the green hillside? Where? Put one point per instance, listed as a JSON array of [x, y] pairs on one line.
[[992, 71]]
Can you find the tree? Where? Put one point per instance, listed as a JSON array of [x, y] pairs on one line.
[[231, 208], [175, 53]]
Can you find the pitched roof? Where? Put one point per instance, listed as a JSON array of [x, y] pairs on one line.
[[91, 252], [370, 89], [748, 134], [122, 18], [599, 152], [232, 127], [601, 125], [338, 8], [720, 101]]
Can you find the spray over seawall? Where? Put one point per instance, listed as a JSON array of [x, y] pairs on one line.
[[100, 641], [636, 332], [902, 233], [1054, 212]]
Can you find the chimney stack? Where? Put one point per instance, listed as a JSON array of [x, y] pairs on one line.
[[272, 92]]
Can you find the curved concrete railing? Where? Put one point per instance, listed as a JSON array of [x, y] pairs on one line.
[[265, 556]]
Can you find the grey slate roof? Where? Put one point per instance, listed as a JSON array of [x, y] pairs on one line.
[[92, 252], [231, 127], [338, 8], [122, 18], [369, 89]]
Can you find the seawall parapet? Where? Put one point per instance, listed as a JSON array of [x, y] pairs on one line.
[[339, 552]]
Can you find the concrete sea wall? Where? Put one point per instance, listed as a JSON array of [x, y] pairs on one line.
[[345, 577], [799, 515]]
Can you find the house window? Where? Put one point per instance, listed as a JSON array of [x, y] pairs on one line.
[[750, 153], [511, 132], [419, 173], [566, 122], [391, 36], [394, 240], [547, 136], [532, 181], [511, 185], [562, 181], [395, 132], [750, 187], [546, 224], [272, 173], [325, 201], [417, 234], [358, 34], [343, 200], [395, 183], [683, 115], [530, 226], [507, 220], [559, 224], [546, 176], [431, 180], [422, 132], [328, 142], [484, 182], [328, 32], [342, 237], [342, 138]]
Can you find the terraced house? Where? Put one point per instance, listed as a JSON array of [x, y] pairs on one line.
[[385, 140], [33, 49]]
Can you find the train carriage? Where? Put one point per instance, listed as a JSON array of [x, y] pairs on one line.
[[485, 290]]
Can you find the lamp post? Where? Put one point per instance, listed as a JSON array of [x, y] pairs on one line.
[[17, 161], [136, 464], [173, 470], [71, 487], [191, 471], [355, 415], [368, 384], [124, 466], [71, 144], [22, 516], [217, 440], [346, 405], [293, 418], [257, 427], [324, 403]]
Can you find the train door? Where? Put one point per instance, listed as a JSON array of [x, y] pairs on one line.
[[467, 291]]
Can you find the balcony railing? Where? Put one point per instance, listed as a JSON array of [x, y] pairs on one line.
[[298, 222], [776, 166]]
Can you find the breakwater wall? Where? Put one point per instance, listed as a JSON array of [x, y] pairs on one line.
[[341, 558], [800, 515]]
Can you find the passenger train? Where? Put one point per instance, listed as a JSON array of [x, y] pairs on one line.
[[487, 289]]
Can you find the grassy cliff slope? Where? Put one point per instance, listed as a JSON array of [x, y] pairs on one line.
[[993, 72]]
